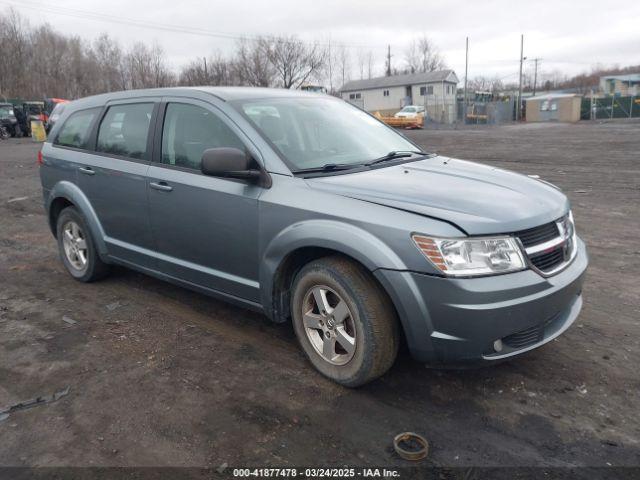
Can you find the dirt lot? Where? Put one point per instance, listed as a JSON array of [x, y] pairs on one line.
[[159, 375]]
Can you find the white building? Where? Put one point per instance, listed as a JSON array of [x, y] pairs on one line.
[[436, 91], [621, 84]]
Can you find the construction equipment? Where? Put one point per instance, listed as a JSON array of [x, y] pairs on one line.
[[402, 122]]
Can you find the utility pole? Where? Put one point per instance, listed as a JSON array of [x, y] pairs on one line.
[[466, 72], [535, 75], [388, 60], [519, 106], [206, 75]]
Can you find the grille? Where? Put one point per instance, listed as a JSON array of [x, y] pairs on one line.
[[536, 235], [560, 233], [548, 260], [525, 338]]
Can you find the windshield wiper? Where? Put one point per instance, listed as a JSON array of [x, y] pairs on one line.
[[394, 155], [329, 167]]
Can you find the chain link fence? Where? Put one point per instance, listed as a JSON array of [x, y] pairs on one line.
[[440, 110], [486, 113], [610, 107]]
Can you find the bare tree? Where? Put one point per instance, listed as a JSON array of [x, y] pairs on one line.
[[330, 66], [146, 67], [251, 65], [422, 55], [370, 64], [161, 75], [481, 83], [14, 38], [362, 62], [344, 65], [214, 70], [293, 61], [107, 56]]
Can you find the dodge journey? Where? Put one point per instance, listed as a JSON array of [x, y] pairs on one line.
[[308, 209]]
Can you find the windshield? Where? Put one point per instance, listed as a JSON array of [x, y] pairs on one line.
[[313, 132], [6, 111], [409, 109]]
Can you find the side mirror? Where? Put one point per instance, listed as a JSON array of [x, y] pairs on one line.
[[227, 162]]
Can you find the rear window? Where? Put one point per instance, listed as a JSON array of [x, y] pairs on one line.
[[124, 130], [76, 129]]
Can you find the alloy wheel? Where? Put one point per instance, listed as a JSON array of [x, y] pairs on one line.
[[75, 245], [329, 325]]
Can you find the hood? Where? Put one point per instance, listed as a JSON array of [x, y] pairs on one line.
[[479, 199]]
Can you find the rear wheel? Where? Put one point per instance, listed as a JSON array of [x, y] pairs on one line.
[[77, 247], [344, 321]]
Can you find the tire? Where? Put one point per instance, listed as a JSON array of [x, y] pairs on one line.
[[356, 339], [82, 261]]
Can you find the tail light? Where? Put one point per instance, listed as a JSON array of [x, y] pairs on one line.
[[40, 160]]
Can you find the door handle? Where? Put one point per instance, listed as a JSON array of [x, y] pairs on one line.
[[162, 186], [87, 170]]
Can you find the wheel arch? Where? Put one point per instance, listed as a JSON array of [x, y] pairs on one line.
[[304, 242], [66, 194]]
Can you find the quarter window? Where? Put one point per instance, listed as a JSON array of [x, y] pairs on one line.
[[124, 130], [75, 131], [189, 130]]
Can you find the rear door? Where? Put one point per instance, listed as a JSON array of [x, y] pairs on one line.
[[205, 228], [114, 178]]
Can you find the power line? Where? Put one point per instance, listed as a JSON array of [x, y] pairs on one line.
[[107, 18]]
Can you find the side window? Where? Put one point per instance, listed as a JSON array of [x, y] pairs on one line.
[[75, 131], [189, 130], [124, 130]]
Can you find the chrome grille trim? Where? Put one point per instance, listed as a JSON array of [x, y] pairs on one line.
[[564, 243], [553, 243]]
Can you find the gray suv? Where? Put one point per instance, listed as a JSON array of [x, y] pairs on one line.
[[307, 209]]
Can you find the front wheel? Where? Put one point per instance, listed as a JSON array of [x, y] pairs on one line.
[[344, 321]]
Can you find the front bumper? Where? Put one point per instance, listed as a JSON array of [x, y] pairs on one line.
[[449, 320]]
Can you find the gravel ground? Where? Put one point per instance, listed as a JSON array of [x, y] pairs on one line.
[[161, 376]]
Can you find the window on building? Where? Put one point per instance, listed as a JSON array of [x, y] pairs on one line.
[[385, 93], [75, 131], [544, 106], [124, 130], [428, 90], [352, 96]]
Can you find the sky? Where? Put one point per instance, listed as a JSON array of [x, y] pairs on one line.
[[568, 36]]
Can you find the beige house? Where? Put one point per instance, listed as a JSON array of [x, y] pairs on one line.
[[559, 107], [436, 91]]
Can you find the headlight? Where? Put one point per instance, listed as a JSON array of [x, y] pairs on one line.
[[471, 256]]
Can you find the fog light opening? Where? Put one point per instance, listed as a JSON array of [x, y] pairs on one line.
[[497, 345]]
